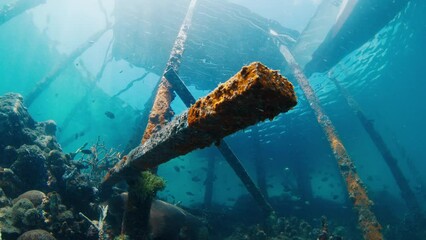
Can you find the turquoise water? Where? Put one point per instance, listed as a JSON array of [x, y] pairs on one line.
[[383, 75]]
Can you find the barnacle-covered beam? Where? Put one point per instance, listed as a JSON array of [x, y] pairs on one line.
[[161, 111], [233, 161], [254, 94]]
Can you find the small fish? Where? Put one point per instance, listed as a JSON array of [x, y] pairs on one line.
[[190, 194], [121, 71], [196, 179], [335, 197], [177, 169], [109, 115], [86, 151], [231, 199]]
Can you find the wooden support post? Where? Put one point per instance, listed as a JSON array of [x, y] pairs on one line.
[[252, 95], [209, 182], [245, 178], [15, 8], [259, 164], [367, 221], [236, 165], [45, 82], [161, 112], [406, 192]]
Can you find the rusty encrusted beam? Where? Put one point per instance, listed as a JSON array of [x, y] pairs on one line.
[[254, 94], [367, 221], [233, 161], [161, 111], [15, 8]]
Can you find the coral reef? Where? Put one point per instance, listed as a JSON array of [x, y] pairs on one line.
[[280, 228], [34, 209], [30, 167], [24, 147], [31, 158], [32, 164]]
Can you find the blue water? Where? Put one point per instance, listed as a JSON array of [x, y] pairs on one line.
[[383, 75]]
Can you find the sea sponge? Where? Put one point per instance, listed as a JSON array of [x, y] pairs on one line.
[[148, 185]]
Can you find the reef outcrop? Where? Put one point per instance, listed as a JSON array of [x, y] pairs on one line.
[[40, 179]]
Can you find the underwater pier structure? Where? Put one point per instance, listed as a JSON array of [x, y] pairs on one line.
[[161, 113], [254, 94], [367, 220], [50, 77], [224, 149], [17, 7], [44, 83]]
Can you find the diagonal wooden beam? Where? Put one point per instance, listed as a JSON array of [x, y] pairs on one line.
[[254, 94], [407, 193], [15, 8], [367, 221], [161, 111], [57, 70]]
